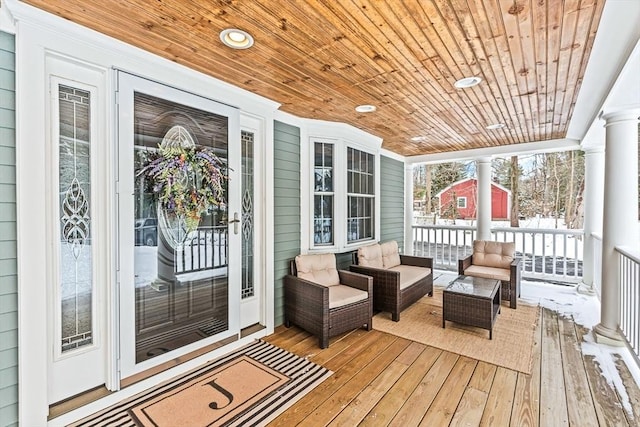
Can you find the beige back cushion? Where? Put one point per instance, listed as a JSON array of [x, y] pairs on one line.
[[318, 268], [390, 254], [493, 254], [370, 256]]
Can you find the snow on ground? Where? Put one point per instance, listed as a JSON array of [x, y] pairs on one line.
[[585, 311]]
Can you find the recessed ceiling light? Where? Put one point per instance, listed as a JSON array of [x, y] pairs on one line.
[[418, 138], [365, 108], [467, 82], [496, 126], [236, 39]]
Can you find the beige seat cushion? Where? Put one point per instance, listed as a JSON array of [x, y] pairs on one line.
[[488, 272], [340, 295], [493, 254], [370, 256], [390, 254], [318, 268], [410, 274]]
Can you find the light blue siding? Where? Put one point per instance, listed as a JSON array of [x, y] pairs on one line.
[[392, 200], [286, 171], [8, 277]]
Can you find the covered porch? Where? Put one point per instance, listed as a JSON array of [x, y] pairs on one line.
[[320, 125]]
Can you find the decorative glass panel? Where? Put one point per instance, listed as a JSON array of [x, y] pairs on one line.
[[180, 253], [76, 269], [361, 195], [247, 139], [323, 197]]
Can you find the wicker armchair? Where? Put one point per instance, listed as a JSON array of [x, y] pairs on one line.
[[325, 301], [495, 260], [398, 280]]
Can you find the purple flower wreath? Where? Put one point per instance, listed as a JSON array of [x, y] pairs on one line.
[[187, 181]]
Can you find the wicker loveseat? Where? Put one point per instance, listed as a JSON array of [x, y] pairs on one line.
[[495, 260], [398, 280], [326, 301]]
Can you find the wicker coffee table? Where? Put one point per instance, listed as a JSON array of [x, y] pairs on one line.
[[472, 301]]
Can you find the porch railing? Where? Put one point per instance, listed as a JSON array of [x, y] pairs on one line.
[[629, 264], [204, 249], [547, 253]]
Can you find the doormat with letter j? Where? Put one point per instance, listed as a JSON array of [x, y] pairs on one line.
[[250, 386]]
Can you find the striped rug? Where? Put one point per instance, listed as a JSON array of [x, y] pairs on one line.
[[248, 387]]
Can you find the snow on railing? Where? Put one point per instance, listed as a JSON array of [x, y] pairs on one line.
[[546, 253], [629, 276]]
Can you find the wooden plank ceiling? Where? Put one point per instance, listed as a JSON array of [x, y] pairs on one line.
[[320, 59]]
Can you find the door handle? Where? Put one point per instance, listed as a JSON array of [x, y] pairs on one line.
[[236, 223]]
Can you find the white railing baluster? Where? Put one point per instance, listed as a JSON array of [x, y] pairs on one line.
[[629, 276], [555, 256]]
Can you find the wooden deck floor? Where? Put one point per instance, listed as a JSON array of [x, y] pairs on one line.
[[380, 379]]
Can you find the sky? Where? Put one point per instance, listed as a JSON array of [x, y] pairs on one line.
[[585, 311]]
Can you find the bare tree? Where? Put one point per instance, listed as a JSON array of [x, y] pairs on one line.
[[571, 192], [514, 175], [556, 202], [427, 194]]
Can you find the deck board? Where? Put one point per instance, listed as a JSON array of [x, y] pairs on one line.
[[579, 402], [345, 366], [526, 403], [501, 396], [358, 409], [384, 411], [633, 393], [411, 413], [606, 404], [341, 398], [382, 380], [483, 376], [444, 405], [470, 409], [553, 404]]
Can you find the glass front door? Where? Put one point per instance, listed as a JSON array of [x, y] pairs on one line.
[[179, 208]]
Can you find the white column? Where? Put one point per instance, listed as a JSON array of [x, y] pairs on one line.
[[408, 209], [593, 196], [620, 216], [483, 207]]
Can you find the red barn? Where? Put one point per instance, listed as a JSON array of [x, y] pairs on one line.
[[460, 198]]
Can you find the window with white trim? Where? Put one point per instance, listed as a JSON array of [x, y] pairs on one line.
[[360, 195], [462, 202], [344, 202]]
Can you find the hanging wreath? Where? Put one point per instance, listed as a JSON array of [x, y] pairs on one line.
[[188, 181]]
